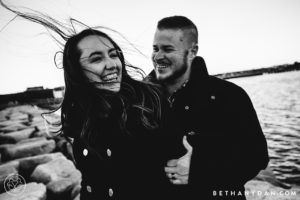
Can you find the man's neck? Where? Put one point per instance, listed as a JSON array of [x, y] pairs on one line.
[[176, 84]]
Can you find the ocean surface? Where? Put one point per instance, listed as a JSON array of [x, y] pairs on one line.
[[276, 98]]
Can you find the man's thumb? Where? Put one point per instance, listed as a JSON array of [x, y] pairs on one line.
[[186, 144]]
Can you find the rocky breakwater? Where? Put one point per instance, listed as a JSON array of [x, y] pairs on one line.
[[33, 164]]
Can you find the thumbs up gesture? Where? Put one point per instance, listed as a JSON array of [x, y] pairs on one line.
[[178, 169]]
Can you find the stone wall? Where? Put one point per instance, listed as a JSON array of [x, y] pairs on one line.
[[29, 154]]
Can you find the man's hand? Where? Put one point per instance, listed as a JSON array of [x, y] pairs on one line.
[[178, 169]]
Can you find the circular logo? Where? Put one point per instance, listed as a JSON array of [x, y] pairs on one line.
[[14, 184]]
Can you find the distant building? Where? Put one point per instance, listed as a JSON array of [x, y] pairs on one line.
[[38, 88]]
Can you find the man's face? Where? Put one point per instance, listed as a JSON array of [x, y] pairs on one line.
[[170, 54]]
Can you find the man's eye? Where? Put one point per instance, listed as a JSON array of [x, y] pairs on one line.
[[168, 50], [155, 49]]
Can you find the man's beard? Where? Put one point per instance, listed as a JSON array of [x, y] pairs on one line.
[[180, 72]]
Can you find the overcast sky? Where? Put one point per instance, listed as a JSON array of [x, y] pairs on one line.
[[233, 34]]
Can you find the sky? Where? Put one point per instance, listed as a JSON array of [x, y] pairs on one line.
[[234, 35]]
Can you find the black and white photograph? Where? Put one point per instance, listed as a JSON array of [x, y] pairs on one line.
[[169, 99]]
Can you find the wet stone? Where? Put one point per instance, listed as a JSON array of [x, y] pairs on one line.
[[6, 170], [27, 165], [54, 170], [14, 137], [32, 191], [28, 149]]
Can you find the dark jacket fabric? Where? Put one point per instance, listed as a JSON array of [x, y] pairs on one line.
[[229, 147], [121, 165]]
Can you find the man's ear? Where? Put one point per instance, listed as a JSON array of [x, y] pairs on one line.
[[194, 49]]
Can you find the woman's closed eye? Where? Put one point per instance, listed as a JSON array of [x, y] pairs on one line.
[[113, 55], [96, 59]]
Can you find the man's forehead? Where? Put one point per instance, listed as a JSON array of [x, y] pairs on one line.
[[169, 35]]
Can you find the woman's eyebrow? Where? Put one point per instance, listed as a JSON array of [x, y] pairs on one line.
[[112, 49], [95, 53], [100, 52]]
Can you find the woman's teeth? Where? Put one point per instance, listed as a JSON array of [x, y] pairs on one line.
[[110, 77]]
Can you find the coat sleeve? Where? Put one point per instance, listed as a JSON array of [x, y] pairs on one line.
[[246, 152]]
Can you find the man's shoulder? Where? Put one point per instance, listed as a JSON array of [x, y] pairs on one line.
[[225, 87]]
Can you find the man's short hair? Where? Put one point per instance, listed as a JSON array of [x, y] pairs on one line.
[[179, 22]]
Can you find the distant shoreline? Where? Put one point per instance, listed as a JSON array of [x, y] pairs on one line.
[[260, 71]]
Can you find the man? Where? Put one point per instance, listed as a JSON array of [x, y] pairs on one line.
[[216, 143]]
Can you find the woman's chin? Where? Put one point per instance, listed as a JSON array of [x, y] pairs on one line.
[[113, 87]]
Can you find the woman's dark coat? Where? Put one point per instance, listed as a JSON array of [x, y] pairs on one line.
[[121, 165]]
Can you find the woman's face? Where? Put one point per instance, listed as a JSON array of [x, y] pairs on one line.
[[100, 62]]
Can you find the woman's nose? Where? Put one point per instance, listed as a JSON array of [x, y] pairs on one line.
[[110, 64]]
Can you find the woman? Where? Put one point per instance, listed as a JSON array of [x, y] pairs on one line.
[[115, 121]]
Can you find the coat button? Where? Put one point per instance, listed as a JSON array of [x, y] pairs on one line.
[[191, 133], [110, 192], [89, 188], [186, 107], [108, 152], [85, 152]]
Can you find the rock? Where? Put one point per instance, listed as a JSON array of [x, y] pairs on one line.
[[8, 123], [60, 176], [6, 170], [2, 118], [17, 126], [34, 139], [61, 188], [32, 191], [4, 146], [268, 176], [28, 149], [16, 136], [18, 116], [54, 170], [41, 133], [261, 190], [27, 165]]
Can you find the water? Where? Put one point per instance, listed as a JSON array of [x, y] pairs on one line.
[[276, 98]]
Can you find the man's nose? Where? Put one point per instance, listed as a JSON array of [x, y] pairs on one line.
[[158, 55]]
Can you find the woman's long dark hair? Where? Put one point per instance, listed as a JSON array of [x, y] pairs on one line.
[[84, 106], [95, 105]]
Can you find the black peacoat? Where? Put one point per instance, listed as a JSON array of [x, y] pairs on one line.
[[229, 147], [121, 165]]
